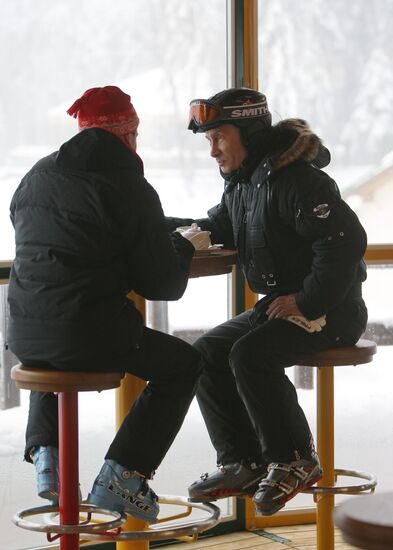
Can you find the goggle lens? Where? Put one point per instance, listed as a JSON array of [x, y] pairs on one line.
[[203, 112]]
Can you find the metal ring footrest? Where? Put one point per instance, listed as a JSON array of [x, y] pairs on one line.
[[83, 527], [175, 530], [347, 489], [102, 530]]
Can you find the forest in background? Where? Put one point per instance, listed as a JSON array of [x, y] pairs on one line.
[[327, 62]]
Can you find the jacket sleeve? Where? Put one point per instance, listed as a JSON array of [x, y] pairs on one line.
[[338, 243], [158, 262], [217, 222]]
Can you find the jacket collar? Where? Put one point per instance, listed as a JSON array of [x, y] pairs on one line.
[[96, 149]]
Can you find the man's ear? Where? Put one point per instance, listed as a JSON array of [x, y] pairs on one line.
[[131, 138]]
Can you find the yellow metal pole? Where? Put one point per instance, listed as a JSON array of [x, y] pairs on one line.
[[130, 388], [251, 43], [325, 447]]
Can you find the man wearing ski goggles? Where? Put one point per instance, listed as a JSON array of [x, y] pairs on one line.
[[301, 247]]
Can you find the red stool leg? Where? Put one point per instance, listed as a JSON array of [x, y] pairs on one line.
[[69, 467]]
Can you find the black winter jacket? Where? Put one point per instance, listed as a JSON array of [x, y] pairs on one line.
[[292, 230], [89, 229]]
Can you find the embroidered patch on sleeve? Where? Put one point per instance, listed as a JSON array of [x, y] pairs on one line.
[[321, 211]]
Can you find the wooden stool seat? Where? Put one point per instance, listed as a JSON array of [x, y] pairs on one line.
[[360, 353], [326, 488], [50, 380]]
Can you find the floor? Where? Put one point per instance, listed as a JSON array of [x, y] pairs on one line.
[[295, 537]]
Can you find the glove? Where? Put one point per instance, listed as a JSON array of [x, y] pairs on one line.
[[316, 325], [199, 239]]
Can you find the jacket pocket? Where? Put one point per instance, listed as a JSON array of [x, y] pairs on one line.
[[260, 257]]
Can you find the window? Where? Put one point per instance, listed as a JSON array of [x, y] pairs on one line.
[[330, 64]]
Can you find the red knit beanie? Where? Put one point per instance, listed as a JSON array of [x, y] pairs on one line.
[[108, 108]]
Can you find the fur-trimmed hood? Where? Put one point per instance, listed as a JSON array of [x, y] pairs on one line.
[[293, 141], [289, 141]]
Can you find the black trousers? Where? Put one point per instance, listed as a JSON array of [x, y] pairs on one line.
[[171, 367], [249, 405]]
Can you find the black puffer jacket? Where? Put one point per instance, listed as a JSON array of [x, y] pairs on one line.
[[89, 228], [292, 230]]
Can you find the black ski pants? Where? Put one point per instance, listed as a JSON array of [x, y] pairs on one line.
[[249, 405], [171, 368]]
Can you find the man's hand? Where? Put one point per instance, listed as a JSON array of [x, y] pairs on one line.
[[282, 307]]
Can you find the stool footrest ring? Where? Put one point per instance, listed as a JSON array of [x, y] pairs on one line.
[[99, 531], [347, 489], [173, 530], [20, 521]]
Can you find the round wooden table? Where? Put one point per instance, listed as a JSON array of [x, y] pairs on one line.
[[212, 262], [367, 522]]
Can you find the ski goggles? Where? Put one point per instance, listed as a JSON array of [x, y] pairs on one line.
[[205, 115]]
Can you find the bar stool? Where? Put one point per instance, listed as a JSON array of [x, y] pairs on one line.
[[70, 529], [67, 384], [358, 354]]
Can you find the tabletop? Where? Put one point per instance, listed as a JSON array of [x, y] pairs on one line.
[[212, 262]]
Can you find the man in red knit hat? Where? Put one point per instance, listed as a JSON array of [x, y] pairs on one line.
[[89, 229], [108, 108]]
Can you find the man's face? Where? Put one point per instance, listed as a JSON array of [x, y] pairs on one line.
[[226, 147]]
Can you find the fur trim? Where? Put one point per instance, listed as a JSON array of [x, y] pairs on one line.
[[306, 145]]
